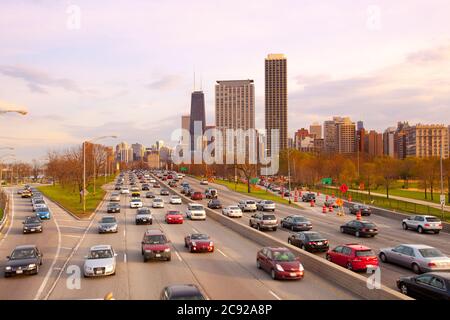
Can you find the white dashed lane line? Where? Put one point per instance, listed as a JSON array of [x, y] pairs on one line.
[[221, 252], [273, 293], [178, 256], [74, 227]]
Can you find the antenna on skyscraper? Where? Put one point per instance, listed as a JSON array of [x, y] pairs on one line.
[[194, 78]]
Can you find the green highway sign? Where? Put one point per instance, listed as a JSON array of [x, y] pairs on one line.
[[327, 181], [183, 169]]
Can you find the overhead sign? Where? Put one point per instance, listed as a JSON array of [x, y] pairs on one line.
[[327, 181], [343, 188], [183, 169]]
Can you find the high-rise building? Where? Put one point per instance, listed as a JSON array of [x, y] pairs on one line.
[[159, 144], [339, 135], [185, 127], [400, 139], [138, 151], [330, 136], [427, 140], [197, 115], [389, 148], [300, 135], [276, 108], [373, 144], [315, 130], [360, 140], [124, 153], [359, 125]]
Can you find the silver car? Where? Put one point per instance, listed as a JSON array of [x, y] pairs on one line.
[[157, 203], [247, 205], [422, 223], [101, 261], [107, 224], [418, 257], [115, 196]]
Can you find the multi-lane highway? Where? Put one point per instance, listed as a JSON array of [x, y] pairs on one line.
[[228, 273]]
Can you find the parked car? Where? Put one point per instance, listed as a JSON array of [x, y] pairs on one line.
[[182, 292], [25, 259], [135, 203], [150, 195], [422, 223], [43, 213], [215, 204], [247, 205], [360, 228], [263, 221], [365, 210], [115, 196], [175, 199], [113, 207], [108, 224], [155, 246], [427, 286], [197, 195], [32, 224], [418, 257], [311, 241], [143, 216], [158, 203], [308, 197], [281, 263], [296, 223], [199, 242], [353, 257], [195, 211], [265, 205], [174, 217], [232, 212], [100, 261]]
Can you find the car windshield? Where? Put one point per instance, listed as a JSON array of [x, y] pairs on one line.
[[135, 200], [365, 253], [143, 211], [300, 219], [155, 239], [196, 207], [198, 236], [32, 220], [369, 225], [269, 217], [431, 253], [250, 202], [108, 220], [173, 212], [268, 202], [315, 236], [175, 197], [100, 254], [283, 256], [41, 209], [215, 201], [234, 208], [157, 200], [433, 219], [27, 253]]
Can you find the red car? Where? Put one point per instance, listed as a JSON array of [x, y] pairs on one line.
[[197, 195], [353, 256], [155, 246], [174, 216], [198, 242], [281, 263], [164, 179], [169, 176]]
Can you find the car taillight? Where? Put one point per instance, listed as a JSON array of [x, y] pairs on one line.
[[427, 224], [356, 260], [326, 241], [431, 264], [364, 229], [440, 224], [311, 242]]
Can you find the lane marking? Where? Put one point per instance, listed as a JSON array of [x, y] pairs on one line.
[[68, 220], [178, 256], [273, 293], [57, 268], [124, 232], [75, 227], [221, 252], [195, 230], [71, 236], [66, 248]]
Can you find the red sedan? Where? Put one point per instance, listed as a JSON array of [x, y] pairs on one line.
[[197, 195], [198, 242], [281, 263], [174, 217], [353, 257]]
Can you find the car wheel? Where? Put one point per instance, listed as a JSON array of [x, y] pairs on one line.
[[342, 230], [383, 257], [258, 264], [404, 289], [405, 226], [274, 229], [258, 227], [328, 257], [302, 247], [415, 267], [357, 234], [420, 229], [145, 259], [7, 275], [37, 270], [169, 258], [349, 266]]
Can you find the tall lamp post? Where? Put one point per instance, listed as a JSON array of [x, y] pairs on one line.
[[442, 198], [289, 173]]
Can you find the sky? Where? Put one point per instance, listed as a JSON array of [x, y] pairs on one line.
[[85, 69]]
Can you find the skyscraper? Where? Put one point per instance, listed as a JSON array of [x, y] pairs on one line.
[[373, 144], [389, 148], [359, 125], [138, 151], [339, 135], [276, 98], [197, 115], [315, 130], [185, 127], [425, 141]]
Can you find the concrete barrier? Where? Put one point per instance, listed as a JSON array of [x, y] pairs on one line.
[[350, 280]]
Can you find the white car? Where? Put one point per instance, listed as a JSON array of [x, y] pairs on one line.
[[124, 190], [157, 203], [134, 189], [136, 203], [265, 205], [180, 176], [175, 200], [232, 212], [152, 180], [247, 205], [422, 224], [195, 211], [38, 206], [101, 261], [204, 182]]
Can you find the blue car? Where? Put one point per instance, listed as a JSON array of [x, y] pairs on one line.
[[43, 213]]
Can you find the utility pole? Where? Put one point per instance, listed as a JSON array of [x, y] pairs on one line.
[[289, 174], [442, 198], [84, 177]]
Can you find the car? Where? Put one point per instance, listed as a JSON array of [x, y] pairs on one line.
[[135, 203], [24, 259], [124, 190], [157, 203], [427, 286], [182, 292], [195, 211], [353, 256], [310, 241], [275, 188], [108, 224], [281, 263], [287, 193], [197, 196], [151, 180], [247, 205], [184, 184], [308, 197], [204, 182], [198, 242], [32, 224], [19, 192], [330, 203], [265, 205], [135, 194], [155, 246], [232, 212], [296, 223], [117, 187], [211, 193], [172, 184], [156, 185], [164, 192], [360, 228], [143, 216], [113, 207], [215, 204], [264, 221], [145, 187], [365, 210], [174, 217], [114, 197], [418, 257], [175, 199], [150, 195], [189, 192], [100, 261], [38, 203], [26, 194], [43, 213], [422, 223]]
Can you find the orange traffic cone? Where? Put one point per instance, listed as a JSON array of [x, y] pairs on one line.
[[358, 215], [312, 203], [318, 194], [330, 209], [349, 198], [324, 209]]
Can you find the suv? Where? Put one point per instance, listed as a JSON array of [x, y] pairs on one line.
[[155, 245], [263, 221], [365, 210], [422, 224], [353, 257], [195, 211], [265, 205], [308, 197], [247, 205]]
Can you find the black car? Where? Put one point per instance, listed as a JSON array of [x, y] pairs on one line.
[[308, 197], [118, 187], [32, 224], [215, 204], [311, 241], [182, 292], [365, 210], [145, 187], [427, 286], [150, 195], [296, 223], [360, 228], [164, 192], [23, 260], [113, 207]]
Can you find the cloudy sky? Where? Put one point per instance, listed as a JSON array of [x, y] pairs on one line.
[[89, 68]]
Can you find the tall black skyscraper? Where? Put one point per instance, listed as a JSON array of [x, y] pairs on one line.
[[197, 113]]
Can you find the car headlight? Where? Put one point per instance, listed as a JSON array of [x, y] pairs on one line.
[[31, 266], [194, 244], [8, 268], [109, 268], [300, 267], [167, 250], [279, 268]]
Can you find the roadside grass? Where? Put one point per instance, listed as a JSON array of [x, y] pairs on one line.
[[70, 199], [1, 214]]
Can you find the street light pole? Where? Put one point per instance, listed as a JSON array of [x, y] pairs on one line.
[[442, 199], [84, 177], [289, 175]]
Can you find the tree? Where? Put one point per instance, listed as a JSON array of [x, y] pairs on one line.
[[388, 169], [368, 174], [407, 170], [249, 171]]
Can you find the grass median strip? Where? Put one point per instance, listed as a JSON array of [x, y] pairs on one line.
[[1, 214]]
